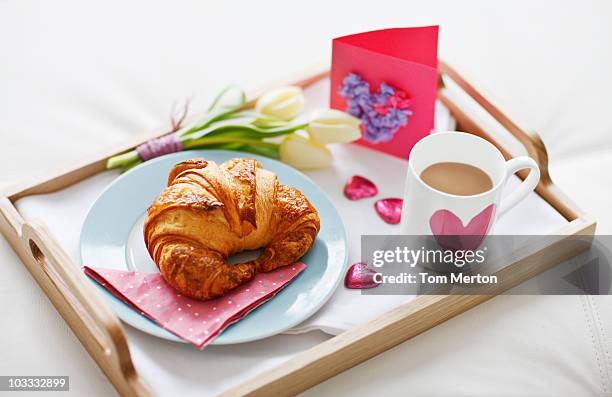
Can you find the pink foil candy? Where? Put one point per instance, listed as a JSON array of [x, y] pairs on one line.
[[389, 209], [359, 187], [360, 276]]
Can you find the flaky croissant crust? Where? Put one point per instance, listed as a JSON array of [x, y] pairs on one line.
[[209, 212]]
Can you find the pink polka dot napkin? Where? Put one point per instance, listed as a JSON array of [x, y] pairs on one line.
[[197, 322]]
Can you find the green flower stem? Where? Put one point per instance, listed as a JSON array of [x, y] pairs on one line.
[[197, 143], [122, 160], [131, 165]]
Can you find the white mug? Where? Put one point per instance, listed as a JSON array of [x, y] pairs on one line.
[[427, 211]]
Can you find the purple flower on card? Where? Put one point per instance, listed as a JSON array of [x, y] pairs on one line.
[[382, 113], [354, 85]]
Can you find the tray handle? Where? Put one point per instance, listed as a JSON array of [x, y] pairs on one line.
[[74, 298]]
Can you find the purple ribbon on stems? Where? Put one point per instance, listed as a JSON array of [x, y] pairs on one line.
[[159, 146]]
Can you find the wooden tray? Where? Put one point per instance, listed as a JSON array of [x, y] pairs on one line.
[[102, 334]]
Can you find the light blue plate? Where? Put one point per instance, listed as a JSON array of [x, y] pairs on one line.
[[112, 237]]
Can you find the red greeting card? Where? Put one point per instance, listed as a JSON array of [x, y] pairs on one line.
[[387, 78]]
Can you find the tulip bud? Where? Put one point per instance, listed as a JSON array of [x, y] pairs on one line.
[[282, 103], [334, 126], [304, 153]]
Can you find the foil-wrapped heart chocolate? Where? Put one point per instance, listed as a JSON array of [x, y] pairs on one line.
[[359, 187], [360, 276], [389, 209]]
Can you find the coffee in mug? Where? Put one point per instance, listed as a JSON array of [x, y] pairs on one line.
[[457, 178]]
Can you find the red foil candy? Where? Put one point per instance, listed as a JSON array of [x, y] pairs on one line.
[[359, 187], [389, 209], [360, 276]]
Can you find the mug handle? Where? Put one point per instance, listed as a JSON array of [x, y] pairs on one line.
[[526, 187]]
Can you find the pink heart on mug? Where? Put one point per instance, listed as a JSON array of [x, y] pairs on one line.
[[450, 232]]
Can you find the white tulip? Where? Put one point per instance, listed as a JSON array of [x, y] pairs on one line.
[[334, 126], [304, 153], [282, 103]]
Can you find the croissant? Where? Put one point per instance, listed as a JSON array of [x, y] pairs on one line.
[[209, 212]]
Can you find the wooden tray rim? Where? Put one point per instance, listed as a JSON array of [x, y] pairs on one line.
[[102, 334]]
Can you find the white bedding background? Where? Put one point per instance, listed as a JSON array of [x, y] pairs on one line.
[[76, 77]]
